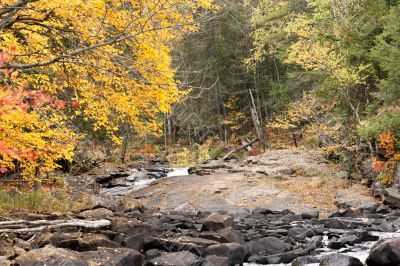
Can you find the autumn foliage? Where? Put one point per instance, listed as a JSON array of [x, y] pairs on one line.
[[72, 67]]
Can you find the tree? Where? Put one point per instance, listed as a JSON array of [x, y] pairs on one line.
[[111, 57]]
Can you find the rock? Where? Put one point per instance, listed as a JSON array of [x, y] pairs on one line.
[[230, 235], [283, 258], [313, 214], [338, 259], [215, 261], [103, 179], [305, 260], [102, 202], [183, 258], [300, 233], [50, 255], [314, 243], [129, 205], [392, 196], [88, 242], [154, 253], [234, 252], [365, 236], [172, 245], [383, 209], [343, 241], [343, 175], [335, 223], [268, 245], [216, 222], [96, 213], [369, 207], [385, 253]]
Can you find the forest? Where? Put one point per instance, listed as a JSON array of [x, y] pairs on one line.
[[199, 132]]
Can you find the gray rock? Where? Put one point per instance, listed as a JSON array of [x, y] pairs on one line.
[[343, 175], [385, 253], [216, 222], [305, 260], [215, 261], [338, 259], [312, 214], [96, 213], [230, 235], [392, 196], [182, 258], [268, 245], [300, 233], [283, 258], [172, 245], [234, 252], [314, 243], [369, 207]]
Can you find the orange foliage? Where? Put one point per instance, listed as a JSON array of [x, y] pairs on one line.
[[147, 149]]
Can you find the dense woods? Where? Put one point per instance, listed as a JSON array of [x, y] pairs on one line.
[[110, 75]]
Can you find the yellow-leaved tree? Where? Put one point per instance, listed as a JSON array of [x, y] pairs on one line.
[[105, 64]]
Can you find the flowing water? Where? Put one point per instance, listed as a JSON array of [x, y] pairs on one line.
[[359, 251]]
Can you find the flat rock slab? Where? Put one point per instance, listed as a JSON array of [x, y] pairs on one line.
[[277, 180]]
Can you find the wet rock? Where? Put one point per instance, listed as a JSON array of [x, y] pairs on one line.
[[234, 252], [313, 214], [385, 253], [103, 179], [338, 259], [365, 236], [216, 222], [268, 245], [96, 213], [182, 258], [215, 261], [262, 211]]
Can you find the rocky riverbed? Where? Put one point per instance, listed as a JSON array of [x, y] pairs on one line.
[[284, 207]]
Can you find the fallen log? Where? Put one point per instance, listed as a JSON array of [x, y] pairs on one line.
[[22, 226], [240, 148]]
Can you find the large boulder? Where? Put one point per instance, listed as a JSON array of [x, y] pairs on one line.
[[233, 251], [182, 258], [268, 245], [392, 196], [338, 259], [216, 222], [52, 256], [385, 253]]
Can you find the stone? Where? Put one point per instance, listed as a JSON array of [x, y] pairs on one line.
[[233, 251], [343, 241], [88, 242], [182, 258], [335, 223], [268, 245], [305, 260], [338, 259], [172, 245], [96, 213], [283, 258], [314, 243], [300, 233], [392, 196], [216, 222], [385, 253], [313, 214], [215, 261], [130, 205], [369, 207], [51, 256], [230, 235], [343, 175]]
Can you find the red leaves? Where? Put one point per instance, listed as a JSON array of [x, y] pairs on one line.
[[3, 170], [75, 104], [59, 104]]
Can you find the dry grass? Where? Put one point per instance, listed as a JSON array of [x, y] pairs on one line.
[[317, 191]]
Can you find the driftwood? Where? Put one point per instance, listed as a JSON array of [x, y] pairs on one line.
[[22, 226], [239, 148]]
